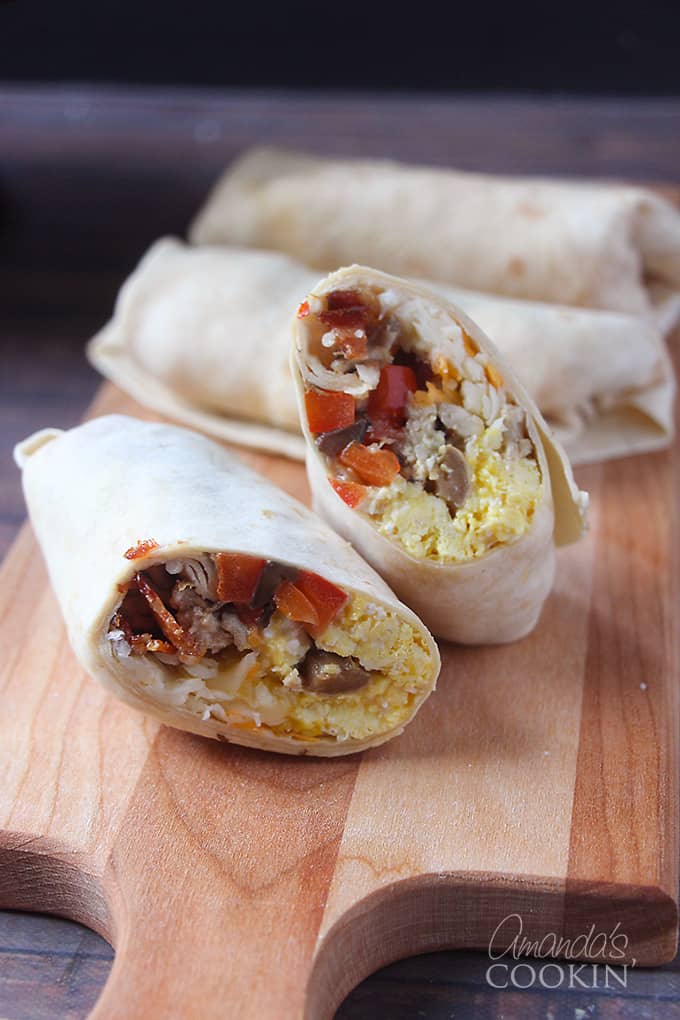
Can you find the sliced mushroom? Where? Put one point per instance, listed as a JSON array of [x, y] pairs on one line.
[[453, 482], [270, 579], [333, 443], [327, 673]]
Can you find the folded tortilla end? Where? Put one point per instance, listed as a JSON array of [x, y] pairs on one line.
[[27, 447]]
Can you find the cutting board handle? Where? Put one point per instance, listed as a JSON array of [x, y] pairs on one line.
[[217, 881]]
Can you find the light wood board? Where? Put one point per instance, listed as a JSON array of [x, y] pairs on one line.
[[541, 779]]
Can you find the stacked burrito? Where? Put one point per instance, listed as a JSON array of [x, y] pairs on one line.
[[203, 335]]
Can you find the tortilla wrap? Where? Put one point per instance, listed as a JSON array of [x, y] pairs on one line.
[[595, 245], [203, 335], [490, 596], [122, 507]]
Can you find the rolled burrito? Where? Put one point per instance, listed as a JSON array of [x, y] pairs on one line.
[[203, 335], [199, 593], [572, 243], [425, 452]]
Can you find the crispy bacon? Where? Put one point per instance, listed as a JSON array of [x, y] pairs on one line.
[[140, 643], [348, 309], [353, 343], [135, 552], [345, 318], [343, 299], [185, 644]]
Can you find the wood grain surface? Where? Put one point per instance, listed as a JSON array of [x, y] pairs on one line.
[[576, 747], [540, 780]]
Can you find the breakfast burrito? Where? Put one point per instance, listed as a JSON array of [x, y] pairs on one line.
[[572, 243], [425, 452], [203, 335], [198, 592]]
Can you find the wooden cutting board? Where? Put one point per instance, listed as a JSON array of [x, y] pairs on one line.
[[541, 779]]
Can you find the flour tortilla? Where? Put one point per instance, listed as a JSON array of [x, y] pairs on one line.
[[572, 243], [492, 599], [203, 336], [99, 489]]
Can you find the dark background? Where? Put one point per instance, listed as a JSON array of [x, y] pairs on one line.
[[463, 45]]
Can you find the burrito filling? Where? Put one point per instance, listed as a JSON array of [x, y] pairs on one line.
[[257, 643], [423, 438]]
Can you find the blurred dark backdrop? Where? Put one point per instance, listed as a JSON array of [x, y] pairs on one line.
[[601, 47]]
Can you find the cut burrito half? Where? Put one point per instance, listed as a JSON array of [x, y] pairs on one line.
[[424, 451], [203, 335], [597, 245], [198, 592]]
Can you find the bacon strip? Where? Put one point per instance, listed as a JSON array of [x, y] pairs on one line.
[[140, 643], [186, 645]]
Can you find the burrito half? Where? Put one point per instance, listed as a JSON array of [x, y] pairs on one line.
[[203, 335], [427, 454], [572, 243], [198, 592]]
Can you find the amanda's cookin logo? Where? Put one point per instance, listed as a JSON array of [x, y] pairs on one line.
[[509, 968]]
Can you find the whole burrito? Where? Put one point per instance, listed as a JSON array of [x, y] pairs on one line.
[[198, 592], [203, 335], [588, 244], [425, 452]]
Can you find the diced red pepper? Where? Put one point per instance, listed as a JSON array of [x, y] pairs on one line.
[[350, 493], [372, 465], [237, 576], [328, 410], [294, 604], [389, 398], [303, 310], [326, 598]]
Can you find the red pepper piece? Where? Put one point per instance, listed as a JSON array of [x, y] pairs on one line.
[[350, 493], [327, 410], [389, 398], [373, 466], [294, 604], [325, 596], [237, 576]]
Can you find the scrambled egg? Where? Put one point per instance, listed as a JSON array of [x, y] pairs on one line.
[[499, 507], [270, 694]]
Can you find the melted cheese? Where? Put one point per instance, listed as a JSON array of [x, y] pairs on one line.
[[271, 694]]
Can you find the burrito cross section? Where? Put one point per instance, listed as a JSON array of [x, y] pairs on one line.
[[431, 446], [269, 645], [200, 593], [425, 451]]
